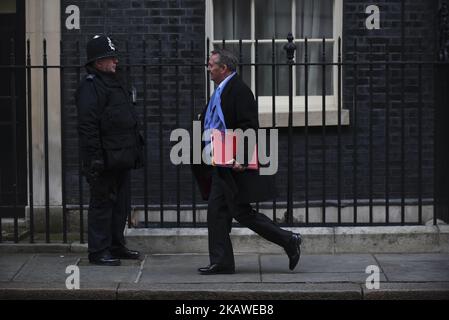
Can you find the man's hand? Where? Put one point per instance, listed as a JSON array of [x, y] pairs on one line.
[[237, 167]]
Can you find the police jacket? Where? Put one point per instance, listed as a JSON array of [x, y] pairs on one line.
[[107, 123]]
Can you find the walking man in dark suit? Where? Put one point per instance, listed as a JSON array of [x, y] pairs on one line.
[[230, 191]]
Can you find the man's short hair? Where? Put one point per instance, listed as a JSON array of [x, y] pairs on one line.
[[227, 58]]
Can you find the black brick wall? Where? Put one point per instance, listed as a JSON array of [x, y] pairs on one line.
[[183, 21], [162, 25]]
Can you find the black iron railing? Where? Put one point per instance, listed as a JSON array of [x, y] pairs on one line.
[[343, 169]]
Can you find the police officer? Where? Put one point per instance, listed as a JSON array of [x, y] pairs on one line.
[[111, 145]]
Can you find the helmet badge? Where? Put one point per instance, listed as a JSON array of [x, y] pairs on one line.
[[111, 45]]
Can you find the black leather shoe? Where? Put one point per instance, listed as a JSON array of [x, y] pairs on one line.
[[293, 250], [125, 253], [105, 260], [216, 269]]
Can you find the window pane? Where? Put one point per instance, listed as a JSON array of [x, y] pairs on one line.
[[232, 19], [315, 84], [244, 56], [273, 18], [265, 73], [314, 18]]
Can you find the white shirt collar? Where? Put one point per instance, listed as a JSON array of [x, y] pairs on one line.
[[226, 80]]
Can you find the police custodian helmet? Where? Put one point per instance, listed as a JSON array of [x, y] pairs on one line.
[[100, 46]]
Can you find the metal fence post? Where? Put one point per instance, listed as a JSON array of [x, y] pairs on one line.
[[290, 48], [13, 99], [30, 143], [441, 152], [47, 169]]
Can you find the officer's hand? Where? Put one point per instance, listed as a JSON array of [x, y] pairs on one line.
[[97, 165], [96, 168]]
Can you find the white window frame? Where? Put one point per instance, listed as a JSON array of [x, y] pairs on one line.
[[282, 102]]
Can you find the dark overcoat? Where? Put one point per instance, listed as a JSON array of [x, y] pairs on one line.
[[240, 111]]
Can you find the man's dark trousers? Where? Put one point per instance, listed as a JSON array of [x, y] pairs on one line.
[[109, 207], [219, 219]]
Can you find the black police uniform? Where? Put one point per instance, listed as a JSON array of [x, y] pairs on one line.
[[111, 145]]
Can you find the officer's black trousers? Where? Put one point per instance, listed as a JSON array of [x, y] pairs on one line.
[[109, 207], [219, 218]]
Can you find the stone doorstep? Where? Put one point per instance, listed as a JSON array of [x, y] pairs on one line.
[[402, 239]]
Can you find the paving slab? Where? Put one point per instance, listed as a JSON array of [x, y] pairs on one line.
[[415, 267], [128, 271], [10, 264], [310, 277], [319, 263], [46, 268], [318, 268], [183, 269]]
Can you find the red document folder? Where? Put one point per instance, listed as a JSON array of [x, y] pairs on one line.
[[224, 149]]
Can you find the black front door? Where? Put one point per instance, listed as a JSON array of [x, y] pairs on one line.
[[13, 146]]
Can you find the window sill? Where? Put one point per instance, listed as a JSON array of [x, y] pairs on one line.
[[315, 117]]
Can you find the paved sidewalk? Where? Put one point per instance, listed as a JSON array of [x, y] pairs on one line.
[[258, 276]]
